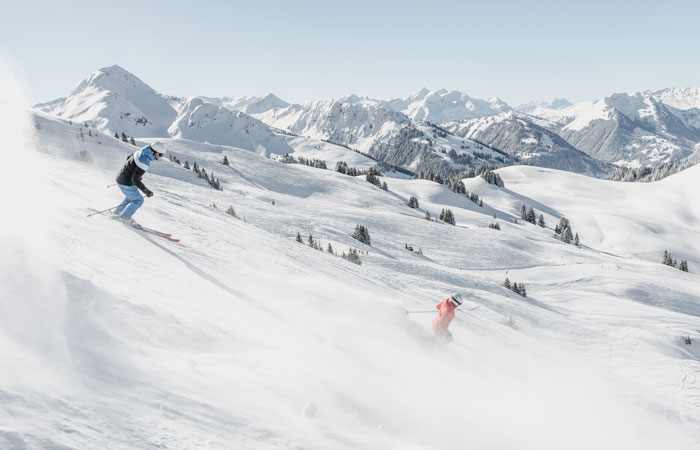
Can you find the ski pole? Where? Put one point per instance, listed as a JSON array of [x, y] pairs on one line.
[[103, 211], [110, 185], [433, 312]]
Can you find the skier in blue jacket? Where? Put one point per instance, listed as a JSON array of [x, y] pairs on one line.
[[129, 180]]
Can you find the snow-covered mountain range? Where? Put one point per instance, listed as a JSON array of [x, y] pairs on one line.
[[529, 142], [626, 129], [441, 106], [269, 125], [622, 129]]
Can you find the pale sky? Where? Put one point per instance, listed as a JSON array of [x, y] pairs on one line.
[[309, 50]]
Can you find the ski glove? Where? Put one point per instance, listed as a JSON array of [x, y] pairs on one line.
[[148, 193]]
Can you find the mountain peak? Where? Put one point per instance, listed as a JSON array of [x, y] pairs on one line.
[[559, 103], [111, 78], [114, 99], [352, 98]]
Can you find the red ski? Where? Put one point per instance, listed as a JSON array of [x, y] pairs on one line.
[[167, 236]]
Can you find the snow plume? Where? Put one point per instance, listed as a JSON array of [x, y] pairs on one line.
[[31, 291], [349, 364]]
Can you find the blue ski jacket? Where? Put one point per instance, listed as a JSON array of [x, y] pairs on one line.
[[135, 167]]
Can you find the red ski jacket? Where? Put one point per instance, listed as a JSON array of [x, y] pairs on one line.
[[446, 313]]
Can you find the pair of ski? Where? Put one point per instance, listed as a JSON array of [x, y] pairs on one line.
[[150, 231], [167, 236]]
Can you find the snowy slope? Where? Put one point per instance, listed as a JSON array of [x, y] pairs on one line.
[[202, 121], [629, 219], [240, 337]]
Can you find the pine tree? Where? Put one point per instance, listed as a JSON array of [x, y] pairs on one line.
[[225, 163], [131, 141], [442, 214], [577, 243], [116, 136], [299, 240], [566, 235], [523, 213], [449, 217], [522, 290], [361, 234], [124, 138], [187, 165], [353, 257], [231, 211], [683, 265], [372, 177], [427, 215], [311, 240], [540, 221], [385, 187], [506, 284], [531, 215], [413, 202], [330, 248]]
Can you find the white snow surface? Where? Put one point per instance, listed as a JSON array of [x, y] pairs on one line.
[[240, 337]]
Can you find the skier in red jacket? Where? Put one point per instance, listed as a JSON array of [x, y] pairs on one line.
[[446, 313]]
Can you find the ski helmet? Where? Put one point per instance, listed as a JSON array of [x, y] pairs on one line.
[[158, 147], [456, 299]]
